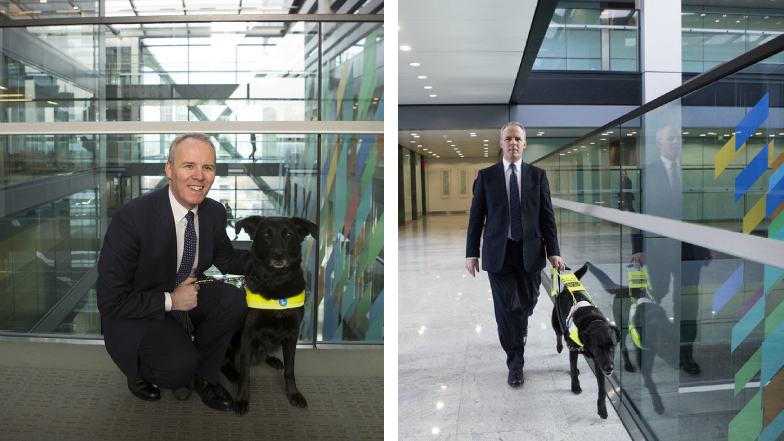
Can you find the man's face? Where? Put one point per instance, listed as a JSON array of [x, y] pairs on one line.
[[513, 143], [191, 171], [669, 142]]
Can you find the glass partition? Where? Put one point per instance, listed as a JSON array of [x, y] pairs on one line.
[[61, 190], [701, 319]]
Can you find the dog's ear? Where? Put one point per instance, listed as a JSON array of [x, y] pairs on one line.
[[581, 272], [617, 333], [248, 224], [305, 227]]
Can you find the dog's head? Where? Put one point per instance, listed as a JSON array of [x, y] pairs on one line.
[[600, 338], [277, 241]]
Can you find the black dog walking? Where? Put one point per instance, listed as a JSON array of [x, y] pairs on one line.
[[275, 292], [588, 333]]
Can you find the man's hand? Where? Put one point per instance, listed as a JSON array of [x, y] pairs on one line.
[[185, 296], [638, 258], [472, 265], [557, 263]]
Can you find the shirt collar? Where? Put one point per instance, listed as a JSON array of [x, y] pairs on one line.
[[178, 210], [667, 163], [517, 164]]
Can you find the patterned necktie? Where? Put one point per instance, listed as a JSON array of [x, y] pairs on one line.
[[515, 211], [186, 266]]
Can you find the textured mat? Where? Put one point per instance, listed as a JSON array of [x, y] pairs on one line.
[[46, 403]]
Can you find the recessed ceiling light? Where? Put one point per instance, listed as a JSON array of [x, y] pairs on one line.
[[405, 47], [485, 140], [685, 133], [428, 87], [421, 77], [412, 142], [432, 95], [472, 133], [414, 64], [419, 145]]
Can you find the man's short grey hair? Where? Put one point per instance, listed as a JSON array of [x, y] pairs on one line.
[[512, 123], [183, 137]]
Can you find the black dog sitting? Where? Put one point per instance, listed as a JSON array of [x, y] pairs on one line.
[[591, 334], [275, 288]]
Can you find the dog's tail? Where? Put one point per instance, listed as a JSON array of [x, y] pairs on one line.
[[605, 280]]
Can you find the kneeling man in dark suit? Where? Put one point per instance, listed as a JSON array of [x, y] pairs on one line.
[[512, 205], [160, 327]]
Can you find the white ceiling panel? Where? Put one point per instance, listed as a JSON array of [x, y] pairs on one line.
[[470, 51]]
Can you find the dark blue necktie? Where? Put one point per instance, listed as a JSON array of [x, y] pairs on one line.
[[188, 250], [515, 211], [186, 266]]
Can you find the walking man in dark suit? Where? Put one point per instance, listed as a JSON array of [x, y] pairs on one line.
[[161, 328], [512, 205]]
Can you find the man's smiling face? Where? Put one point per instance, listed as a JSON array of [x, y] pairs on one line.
[[191, 171]]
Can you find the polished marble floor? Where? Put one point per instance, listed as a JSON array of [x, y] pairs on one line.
[[452, 372]]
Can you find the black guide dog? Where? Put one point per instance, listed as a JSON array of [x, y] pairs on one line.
[[273, 321], [596, 337], [655, 332]]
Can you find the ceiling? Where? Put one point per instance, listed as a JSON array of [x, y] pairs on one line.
[[469, 51], [444, 144]]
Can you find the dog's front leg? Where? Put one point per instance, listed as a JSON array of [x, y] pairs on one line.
[[292, 393], [243, 391], [574, 372], [601, 405], [646, 367]]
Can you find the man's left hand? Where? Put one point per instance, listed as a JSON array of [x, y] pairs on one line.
[[557, 262]]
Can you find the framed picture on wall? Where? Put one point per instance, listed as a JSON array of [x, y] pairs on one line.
[[445, 184], [462, 182]]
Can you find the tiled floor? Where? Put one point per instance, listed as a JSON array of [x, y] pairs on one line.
[[452, 372]]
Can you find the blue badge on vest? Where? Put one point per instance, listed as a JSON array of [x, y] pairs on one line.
[[283, 302]]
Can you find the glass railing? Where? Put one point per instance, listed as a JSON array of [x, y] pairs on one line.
[[677, 207], [313, 88]]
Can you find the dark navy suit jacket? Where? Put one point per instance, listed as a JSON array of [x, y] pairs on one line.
[[138, 263], [490, 212]]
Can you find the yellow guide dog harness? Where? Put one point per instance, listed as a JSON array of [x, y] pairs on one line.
[[638, 280], [257, 301], [573, 284]]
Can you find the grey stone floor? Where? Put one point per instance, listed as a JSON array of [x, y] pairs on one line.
[[58, 391], [452, 372]]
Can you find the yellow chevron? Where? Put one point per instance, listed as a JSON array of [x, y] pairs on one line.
[[725, 156], [754, 216]]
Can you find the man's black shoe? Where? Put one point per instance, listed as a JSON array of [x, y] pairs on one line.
[[515, 378], [690, 367], [213, 395], [144, 390]]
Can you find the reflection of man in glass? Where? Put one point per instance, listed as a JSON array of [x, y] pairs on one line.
[[665, 262], [625, 196]]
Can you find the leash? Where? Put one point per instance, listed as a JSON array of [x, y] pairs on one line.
[[221, 279]]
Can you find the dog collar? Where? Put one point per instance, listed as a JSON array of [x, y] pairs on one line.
[[257, 301]]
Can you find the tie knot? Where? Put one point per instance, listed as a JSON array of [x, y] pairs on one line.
[[189, 216], [512, 167]]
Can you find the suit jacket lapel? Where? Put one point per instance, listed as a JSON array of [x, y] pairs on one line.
[[162, 208], [205, 240]]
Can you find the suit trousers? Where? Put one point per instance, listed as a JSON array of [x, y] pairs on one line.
[[515, 292], [167, 355]]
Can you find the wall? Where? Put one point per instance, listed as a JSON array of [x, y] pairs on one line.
[[459, 194]]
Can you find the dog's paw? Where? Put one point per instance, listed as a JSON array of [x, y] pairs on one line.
[[240, 407], [298, 400], [274, 362], [603, 413], [559, 347], [577, 389]]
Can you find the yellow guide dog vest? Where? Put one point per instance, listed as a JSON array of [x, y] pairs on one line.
[[257, 301]]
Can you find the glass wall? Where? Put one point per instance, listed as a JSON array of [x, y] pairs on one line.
[[712, 38], [60, 191], [707, 363], [590, 39]]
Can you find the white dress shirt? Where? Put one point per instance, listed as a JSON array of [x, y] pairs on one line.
[[180, 223]]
